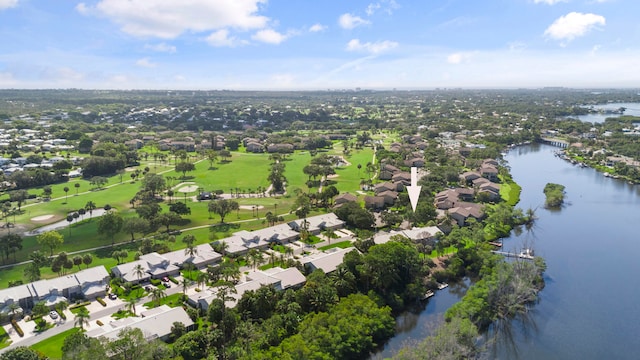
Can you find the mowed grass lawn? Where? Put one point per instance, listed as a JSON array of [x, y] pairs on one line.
[[52, 347], [244, 171]]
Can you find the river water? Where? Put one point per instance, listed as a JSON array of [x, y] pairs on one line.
[[590, 306], [631, 109]]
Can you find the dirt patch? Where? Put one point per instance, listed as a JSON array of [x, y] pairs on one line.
[[43, 218]]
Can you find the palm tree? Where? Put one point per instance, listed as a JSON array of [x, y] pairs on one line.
[[82, 318], [77, 186], [13, 308], [66, 193], [131, 305], [191, 250], [62, 306], [138, 270], [157, 295], [185, 285], [90, 206], [201, 279]]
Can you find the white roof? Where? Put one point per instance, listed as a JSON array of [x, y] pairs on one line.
[[327, 261], [414, 234], [205, 253], [43, 288], [156, 323], [15, 293], [96, 274], [320, 222]]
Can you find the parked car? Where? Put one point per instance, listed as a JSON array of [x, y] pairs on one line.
[[165, 279], [113, 296], [167, 285], [53, 314], [147, 288]]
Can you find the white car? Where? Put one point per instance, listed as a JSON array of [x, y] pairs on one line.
[[53, 314]]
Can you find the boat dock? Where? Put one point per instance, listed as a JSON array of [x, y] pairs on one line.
[[526, 254]]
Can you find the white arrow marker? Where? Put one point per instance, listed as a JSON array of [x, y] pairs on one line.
[[414, 189]]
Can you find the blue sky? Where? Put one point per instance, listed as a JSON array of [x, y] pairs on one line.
[[318, 44]]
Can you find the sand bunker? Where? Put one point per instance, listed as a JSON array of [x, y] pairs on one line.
[[250, 207], [189, 188], [42, 218]]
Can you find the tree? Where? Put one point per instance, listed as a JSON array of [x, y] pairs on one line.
[[222, 207], [154, 183], [77, 186], [201, 279], [98, 181], [90, 206], [46, 192], [180, 208], [119, 255], [66, 193], [87, 259], [185, 167], [18, 196], [139, 271], [82, 318], [32, 272], [77, 261], [169, 218], [10, 244], [212, 156], [20, 353], [110, 224], [157, 295], [51, 239], [131, 305], [78, 346], [134, 225], [132, 344]]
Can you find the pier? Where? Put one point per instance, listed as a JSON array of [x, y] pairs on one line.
[[526, 254], [554, 142]]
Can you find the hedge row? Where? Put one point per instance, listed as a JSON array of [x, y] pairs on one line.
[[15, 325], [99, 299], [173, 280], [155, 282], [99, 323], [84, 303]]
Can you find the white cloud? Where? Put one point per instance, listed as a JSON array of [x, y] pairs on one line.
[[161, 47], [62, 74], [348, 21], [459, 57], [317, 28], [146, 63], [221, 38], [168, 19], [82, 9], [6, 4], [371, 8], [269, 36], [549, 2], [516, 46], [387, 6], [282, 80], [573, 25], [371, 47]]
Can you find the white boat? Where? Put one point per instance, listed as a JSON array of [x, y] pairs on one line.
[[428, 294], [526, 254], [442, 286]]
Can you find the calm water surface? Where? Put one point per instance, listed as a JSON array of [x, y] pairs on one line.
[[590, 308], [631, 109]]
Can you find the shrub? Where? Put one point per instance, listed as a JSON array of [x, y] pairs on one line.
[[99, 299], [155, 282], [173, 280], [62, 315], [99, 323], [15, 325], [77, 305]]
